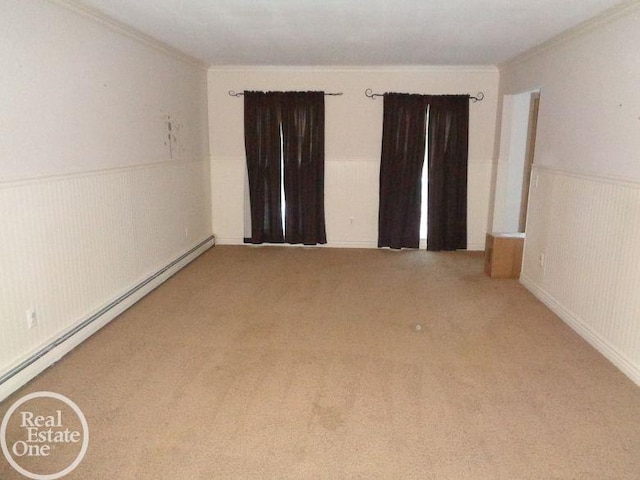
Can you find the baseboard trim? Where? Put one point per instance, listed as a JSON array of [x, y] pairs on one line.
[[352, 245], [474, 247], [44, 357], [607, 350], [240, 241]]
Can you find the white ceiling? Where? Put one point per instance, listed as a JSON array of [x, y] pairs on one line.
[[351, 32]]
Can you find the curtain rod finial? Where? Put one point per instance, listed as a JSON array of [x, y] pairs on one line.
[[369, 94]]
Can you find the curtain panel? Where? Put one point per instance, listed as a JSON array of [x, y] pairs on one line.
[[401, 163], [448, 162], [263, 153], [303, 155]]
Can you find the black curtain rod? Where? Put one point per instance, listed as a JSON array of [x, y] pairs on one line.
[[369, 93], [232, 93]]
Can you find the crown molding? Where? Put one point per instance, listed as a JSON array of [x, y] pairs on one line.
[[128, 31], [608, 16], [357, 68]]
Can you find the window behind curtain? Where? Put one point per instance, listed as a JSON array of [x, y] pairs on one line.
[[284, 131], [405, 128]]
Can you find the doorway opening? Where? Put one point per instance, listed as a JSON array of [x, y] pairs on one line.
[[517, 150], [532, 129]]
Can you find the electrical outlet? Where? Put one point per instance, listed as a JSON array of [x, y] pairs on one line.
[[186, 232], [32, 318], [541, 260]]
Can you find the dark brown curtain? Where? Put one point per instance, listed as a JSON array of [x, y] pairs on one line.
[[285, 127], [448, 158], [263, 152], [401, 163], [303, 154]]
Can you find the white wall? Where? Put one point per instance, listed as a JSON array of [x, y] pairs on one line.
[[352, 144], [590, 101], [584, 210], [94, 197]]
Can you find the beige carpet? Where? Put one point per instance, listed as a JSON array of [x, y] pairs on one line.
[[300, 363]]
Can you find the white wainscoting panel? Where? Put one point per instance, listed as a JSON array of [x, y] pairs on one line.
[[582, 258], [351, 202], [72, 244]]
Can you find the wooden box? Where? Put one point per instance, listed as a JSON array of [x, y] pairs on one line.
[[503, 255]]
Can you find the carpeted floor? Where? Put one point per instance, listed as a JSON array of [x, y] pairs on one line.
[[303, 363]]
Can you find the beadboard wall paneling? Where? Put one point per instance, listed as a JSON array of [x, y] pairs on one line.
[[71, 245], [586, 228]]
